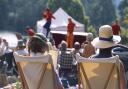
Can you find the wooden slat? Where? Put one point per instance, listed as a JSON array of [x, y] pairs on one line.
[[85, 76], [42, 75], [24, 82], [109, 76]]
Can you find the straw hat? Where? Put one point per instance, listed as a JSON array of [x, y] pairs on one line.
[[106, 38]]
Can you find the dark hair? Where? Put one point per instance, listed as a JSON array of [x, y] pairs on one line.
[[37, 45]]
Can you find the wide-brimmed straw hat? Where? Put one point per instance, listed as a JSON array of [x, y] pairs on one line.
[[106, 38]]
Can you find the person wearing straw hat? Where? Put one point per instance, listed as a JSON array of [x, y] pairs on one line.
[[105, 42]]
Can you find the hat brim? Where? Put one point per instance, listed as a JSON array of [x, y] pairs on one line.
[[106, 44]]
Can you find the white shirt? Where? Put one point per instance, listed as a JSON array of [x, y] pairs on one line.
[[2, 49], [22, 52]]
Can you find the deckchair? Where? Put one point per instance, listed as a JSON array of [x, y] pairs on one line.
[[100, 73], [54, 54], [37, 72]]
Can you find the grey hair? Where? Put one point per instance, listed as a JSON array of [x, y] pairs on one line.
[[89, 37], [63, 46]]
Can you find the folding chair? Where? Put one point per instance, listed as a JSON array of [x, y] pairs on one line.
[[100, 73], [54, 54], [37, 72]]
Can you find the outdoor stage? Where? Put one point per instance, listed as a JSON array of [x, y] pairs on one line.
[[61, 35]]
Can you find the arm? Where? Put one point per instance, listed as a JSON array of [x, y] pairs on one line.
[[53, 17]]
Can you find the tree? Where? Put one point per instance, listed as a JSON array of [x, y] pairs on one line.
[[73, 7], [123, 11], [100, 12]]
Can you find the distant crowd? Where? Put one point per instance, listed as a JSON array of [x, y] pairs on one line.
[[37, 45]]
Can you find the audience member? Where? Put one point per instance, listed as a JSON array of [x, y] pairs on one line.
[[89, 49], [53, 44], [19, 36], [65, 58], [30, 31], [8, 55], [105, 42], [37, 48], [21, 48], [76, 48], [41, 35]]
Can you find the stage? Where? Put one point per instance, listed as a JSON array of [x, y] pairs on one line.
[[61, 35]]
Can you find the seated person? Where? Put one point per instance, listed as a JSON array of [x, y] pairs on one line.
[[21, 48], [105, 42], [76, 48], [65, 58], [65, 61], [89, 49], [37, 48]]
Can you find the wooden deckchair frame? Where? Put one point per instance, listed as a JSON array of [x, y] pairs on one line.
[[80, 66], [22, 77], [24, 82]]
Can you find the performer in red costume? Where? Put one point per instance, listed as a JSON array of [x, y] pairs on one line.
[[70, 36], [48, 16], [116, 28]]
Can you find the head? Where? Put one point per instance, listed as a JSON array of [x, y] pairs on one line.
[[89, 37], [63, 46], [47, 10], [41, 36], [69, 20], [4, 40], [77, 45], [52, 41], [37, 45], [18, 35], [106, 38], [21, 44], [30, 31], [117, 21]]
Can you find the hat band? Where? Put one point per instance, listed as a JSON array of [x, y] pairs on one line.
[[106, 39]]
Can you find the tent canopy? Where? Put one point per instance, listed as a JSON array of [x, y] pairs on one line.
[[60, 23]]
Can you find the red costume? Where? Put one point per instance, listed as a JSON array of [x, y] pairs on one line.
[[70, 36], [116, 29], [48, 16]]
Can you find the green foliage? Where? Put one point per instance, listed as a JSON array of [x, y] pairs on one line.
[[17, 14], [18, 85], [124, 36], [122, 6], [100, 12], [92, 30], [125, 21], [72, 7]]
